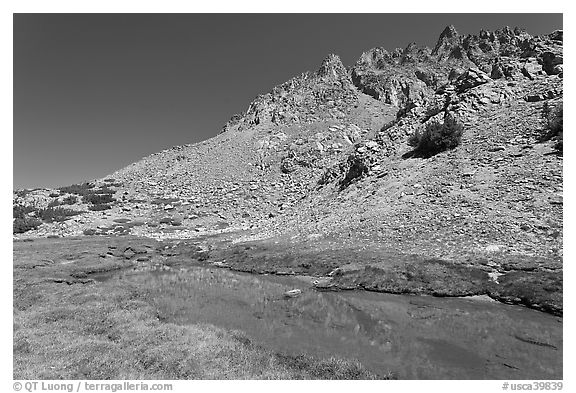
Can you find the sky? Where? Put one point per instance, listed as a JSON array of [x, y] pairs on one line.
[[95, 92]]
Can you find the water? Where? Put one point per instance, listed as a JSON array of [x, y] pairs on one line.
[[410, 336]]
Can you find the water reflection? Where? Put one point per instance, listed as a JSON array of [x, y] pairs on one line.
[[411, 336]]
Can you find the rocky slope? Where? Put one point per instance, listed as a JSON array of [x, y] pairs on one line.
[[324, 158]]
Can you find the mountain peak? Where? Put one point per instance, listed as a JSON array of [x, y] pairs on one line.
[[449, 32], [447, 40], [332, 68]]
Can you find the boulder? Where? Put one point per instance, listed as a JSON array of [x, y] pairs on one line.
[[531, 69], [504, 68], [470, 79], [550, 60]]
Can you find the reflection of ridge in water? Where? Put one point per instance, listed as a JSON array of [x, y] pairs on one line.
[[413, 337]]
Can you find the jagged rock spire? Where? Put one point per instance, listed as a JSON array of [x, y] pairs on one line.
[[332, 68], [447, 40], [448, 32]]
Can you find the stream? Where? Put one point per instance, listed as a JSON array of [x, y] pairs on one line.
[[404, 336]]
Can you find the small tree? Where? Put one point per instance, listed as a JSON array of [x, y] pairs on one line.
[[554, 117], [437, 137]]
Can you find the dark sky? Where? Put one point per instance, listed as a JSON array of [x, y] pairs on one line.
[[96, 92]]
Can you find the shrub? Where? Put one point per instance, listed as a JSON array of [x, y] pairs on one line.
[[78, 189], [437, 137], [24, 224], [97, 199], [23, 193], [54, 203], [99, 207], [104, 189], [20, 211], [70, 200], [554, 118], [57, 214]]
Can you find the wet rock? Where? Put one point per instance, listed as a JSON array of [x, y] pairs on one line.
[[436, 277], [292, 293], [137, 249], [324, 284], [536, 289]]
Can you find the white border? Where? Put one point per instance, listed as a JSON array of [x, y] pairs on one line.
[[300, 6]]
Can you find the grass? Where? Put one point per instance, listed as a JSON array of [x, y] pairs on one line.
[[80, 329]]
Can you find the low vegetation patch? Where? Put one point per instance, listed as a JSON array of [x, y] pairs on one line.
[[69, 200], [98, 199], [165, 201], [25, 224], [56, 214], [437, 137], [54, 203], [23, 193], [112, 182], [29, 217], [99, 207], [554, 123], [78, 189]]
